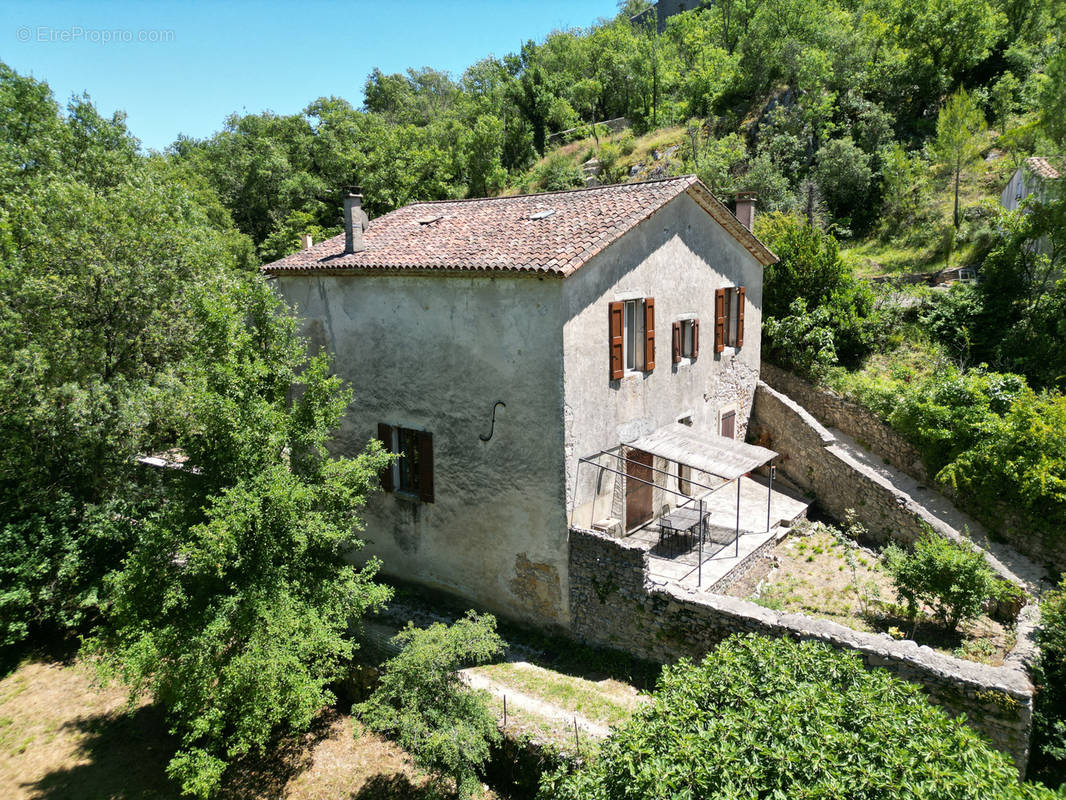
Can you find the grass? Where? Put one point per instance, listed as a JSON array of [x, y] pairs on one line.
[[607, 702], [63, 737], [820, 574]]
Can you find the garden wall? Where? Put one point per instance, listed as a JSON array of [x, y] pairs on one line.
[[614, 604], [857, 421]]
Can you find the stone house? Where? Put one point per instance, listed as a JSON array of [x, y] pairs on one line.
[[1031, 178], [495, 342]]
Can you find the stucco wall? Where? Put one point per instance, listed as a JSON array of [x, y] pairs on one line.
[[679, 256], [435, 352], [613, 603]]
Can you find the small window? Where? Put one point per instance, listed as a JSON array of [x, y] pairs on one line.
[[729, 318], [634, 335], [688, 338], [412, 473], [405, 470]]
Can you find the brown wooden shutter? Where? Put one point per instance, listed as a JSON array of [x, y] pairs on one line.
[[649, 334], [385, 436], [616, 343], [677, 342], [425, 466], [740, 316], [719, 320], [695, 338]]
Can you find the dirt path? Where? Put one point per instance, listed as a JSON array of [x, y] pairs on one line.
[[542, 708]]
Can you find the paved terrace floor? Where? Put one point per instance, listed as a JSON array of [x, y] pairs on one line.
[[720, 555]]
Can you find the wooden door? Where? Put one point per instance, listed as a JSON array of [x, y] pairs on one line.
[[638, 490], [729, 424]]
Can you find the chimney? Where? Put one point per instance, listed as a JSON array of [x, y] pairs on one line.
[[355, 221], [306, 241], [746, 209]]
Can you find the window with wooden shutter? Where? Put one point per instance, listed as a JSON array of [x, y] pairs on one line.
[[676, 340], [740, 316], [695, 338], [649, 334], [616, 341], [385, 437], [425, 466], [719, 320]]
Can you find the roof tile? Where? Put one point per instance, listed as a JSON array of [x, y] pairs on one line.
[[498, 234]]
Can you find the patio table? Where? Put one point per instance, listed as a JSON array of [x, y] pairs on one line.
[[680, 521]]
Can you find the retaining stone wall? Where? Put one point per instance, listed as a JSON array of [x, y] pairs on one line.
[[614, 604], [854, 419]]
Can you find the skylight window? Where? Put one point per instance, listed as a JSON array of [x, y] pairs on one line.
[[542, 214]]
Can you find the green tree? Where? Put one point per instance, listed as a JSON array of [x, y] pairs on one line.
[[1049, 713], [842, 172], [960, 129], [952, 579], [422, 702], [233, 606], [776, 718]]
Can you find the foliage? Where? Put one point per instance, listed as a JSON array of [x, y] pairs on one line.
[[801, 341], [232, 608], [960, 129], [558, 173], [949, 577], [422, 702], [810, 269], [1048, 761], [100, 253], [842, 172], [776, 718]]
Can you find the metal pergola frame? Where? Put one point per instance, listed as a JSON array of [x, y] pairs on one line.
[[590, 460]]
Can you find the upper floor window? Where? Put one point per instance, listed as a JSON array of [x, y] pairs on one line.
[[631, 336], [686, 339], [412, 473], [728, 318]]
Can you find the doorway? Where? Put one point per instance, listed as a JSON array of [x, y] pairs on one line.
[[639, 489]]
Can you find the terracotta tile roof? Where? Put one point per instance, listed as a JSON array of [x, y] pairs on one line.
[[1041, 167], [503, 233]]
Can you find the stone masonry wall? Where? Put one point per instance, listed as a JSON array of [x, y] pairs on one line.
[[614, 604], [855, 420], [867, 428]]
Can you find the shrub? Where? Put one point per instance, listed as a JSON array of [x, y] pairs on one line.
[[842, 172], [951, 578], [423, 704], [559, 172], [801, 341], [1049, 714], [775, 718]]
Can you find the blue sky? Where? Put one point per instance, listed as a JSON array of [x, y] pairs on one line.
[[200, 61]]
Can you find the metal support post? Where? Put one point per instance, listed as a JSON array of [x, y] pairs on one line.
[[736, 534], [699, 567], [769, 496]]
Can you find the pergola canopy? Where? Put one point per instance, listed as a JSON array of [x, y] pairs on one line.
[[724, 458]]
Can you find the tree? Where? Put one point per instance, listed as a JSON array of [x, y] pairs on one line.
[[1049, 713], [952, 579], [422, 702], [960, 129], [776, 718], [842, 172], [233, 606]]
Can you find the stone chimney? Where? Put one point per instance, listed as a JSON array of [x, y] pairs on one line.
[[306, 241], [746, 209], [355, 221]]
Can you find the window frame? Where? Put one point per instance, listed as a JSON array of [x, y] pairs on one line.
[[633, 334]]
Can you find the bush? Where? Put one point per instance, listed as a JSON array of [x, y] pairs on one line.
[[1049, 714], [801, 341], [842, 172], [773, 718], [557, 173], [950, 578], [423, 704]]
